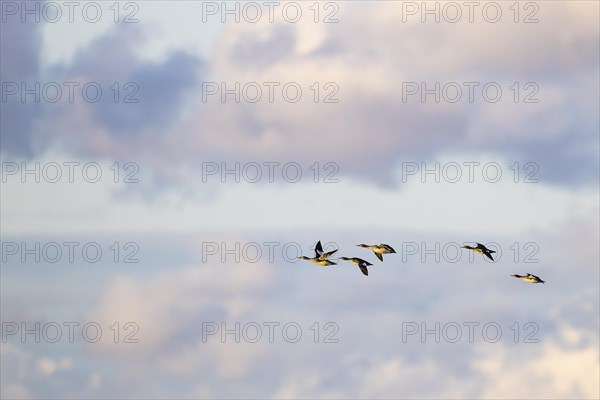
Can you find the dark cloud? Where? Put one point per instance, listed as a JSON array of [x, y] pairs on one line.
[[568, 159], [160, 91], [151, 95], [368, 133], [159, 88], [20, 46]]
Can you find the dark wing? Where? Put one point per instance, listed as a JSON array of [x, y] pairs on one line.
[[379, 256], [329, 254], [488, 255], [318, 249], [480, 246], [363, 269]]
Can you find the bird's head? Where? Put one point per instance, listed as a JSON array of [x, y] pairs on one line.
[[362, 245]]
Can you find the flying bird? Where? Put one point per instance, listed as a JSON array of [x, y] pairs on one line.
[[362, 264], [378, 249], [481, 249], [321, 254], [316, 260], [529, 278], [321, 258]]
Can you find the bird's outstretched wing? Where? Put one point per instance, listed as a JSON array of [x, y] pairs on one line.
[[329, 254], [364, 269], [379, 256], [389, 248], [318, 249], [488, 255]]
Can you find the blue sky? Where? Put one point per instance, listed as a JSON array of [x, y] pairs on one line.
[[366, 146]]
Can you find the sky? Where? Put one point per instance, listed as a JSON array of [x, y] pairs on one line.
[[165, 163]]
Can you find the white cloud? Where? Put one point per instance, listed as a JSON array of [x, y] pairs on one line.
[[48, 366], [552, 371], [170, 309]]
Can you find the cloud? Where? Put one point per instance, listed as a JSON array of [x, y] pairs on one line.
[[113, 126], [555, 371], [25, 372], [369, 54], [20, 47], [158, 90], [48, 366], [170, 300], [171, 319], [371, 129]]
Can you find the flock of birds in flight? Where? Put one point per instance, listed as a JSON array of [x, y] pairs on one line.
[[322, 258]]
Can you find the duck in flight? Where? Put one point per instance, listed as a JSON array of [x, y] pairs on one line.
[[378, 249], [481, 249], [321, 254], [316, 260], [362, 264], [321, 258], [529, 278]]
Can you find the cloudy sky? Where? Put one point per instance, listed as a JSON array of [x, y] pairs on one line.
[[164, 163]]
